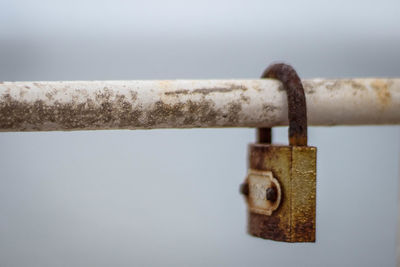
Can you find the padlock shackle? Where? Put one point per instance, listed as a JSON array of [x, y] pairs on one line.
[[296, 101]]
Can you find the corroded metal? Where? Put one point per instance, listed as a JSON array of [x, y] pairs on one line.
[[98, 105], [296, 101], [295, 169]]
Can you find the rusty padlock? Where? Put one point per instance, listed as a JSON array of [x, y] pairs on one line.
[[280, 187]]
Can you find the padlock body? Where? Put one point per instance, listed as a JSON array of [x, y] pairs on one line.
[[295, 169]]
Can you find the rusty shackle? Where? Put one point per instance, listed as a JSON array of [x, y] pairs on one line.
[[280, 186], [296, 103]]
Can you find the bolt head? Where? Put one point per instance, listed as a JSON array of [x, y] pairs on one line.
[[271, 194], [244, 189]]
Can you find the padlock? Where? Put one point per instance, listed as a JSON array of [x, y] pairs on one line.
[[280, 187]]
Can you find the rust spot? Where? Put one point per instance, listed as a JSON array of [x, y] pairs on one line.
[[262, 154], [49, 96], [126, 114], [381, 89], [332, 85], [304, 231], [267, 227], [162, 113], [206, 91], [269, 108], [39, 115], [244, 98], [22, 93], [231, 88], [234, 109], [257, 87], [357, 85], [309, 87], [205, 110], [133, 96], [337, 85], [178, 92]]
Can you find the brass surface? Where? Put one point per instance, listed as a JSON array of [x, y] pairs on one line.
[[295, 169]]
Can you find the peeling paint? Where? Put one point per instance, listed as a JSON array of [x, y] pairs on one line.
[[46, 106], [381, 89]]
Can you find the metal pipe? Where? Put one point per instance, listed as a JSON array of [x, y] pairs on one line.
[[98, 105]]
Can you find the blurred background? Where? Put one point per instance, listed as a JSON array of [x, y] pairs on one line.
[[170, 197]]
